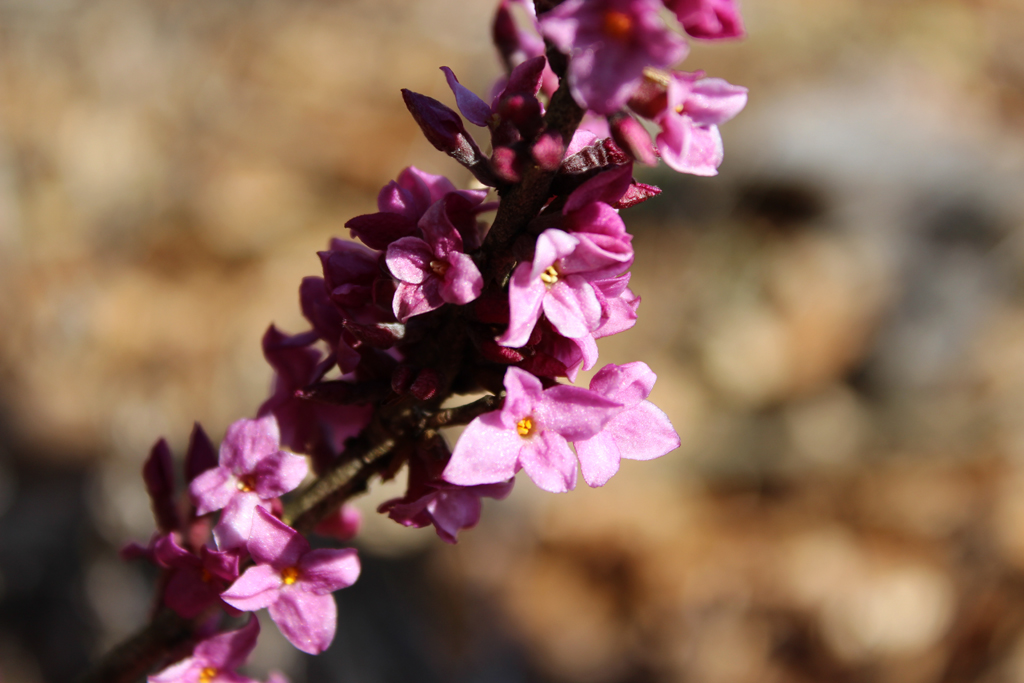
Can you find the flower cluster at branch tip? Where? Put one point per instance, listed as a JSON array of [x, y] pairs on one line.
[[437, 303]]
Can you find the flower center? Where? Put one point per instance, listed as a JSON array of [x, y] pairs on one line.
[[524, 426], [246, 484], [618, 25], [439, 267], [207, 674], [289, 575], [549, 276]]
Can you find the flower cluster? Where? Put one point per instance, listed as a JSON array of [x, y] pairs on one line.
[[437, 303]]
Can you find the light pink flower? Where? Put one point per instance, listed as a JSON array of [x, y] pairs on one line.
[[253, 470], [689, 141], [215, 659], [294, 582], [434, 270], [639, 432], [531, 432]]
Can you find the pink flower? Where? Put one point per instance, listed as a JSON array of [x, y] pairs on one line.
[[689, 141], [215, 659], [708, 19], [610, 43], [531, 432], [252, 471], [294, 582], [545, 284], [195, 582], [639, 432], [433, 270], [431, 500]]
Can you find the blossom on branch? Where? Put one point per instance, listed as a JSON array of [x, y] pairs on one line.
[[215, 659]]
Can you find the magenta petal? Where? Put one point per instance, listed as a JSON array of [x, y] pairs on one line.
[[454, 510], [232, 531], [599, 459], [472, 107], [279, 473], [549, 461], [411, 300], [486, 453], [714, 101], [523, 393], [552, 244], [643, 433], [307, 620], [575, 412], [572, 307], [275, 543], [257, 588], [705, 153], [409, 259], [229, 650], [185, 671], [247, 441], [212, 490], [628, 384], [463, 281], [187, 594], [328, 569], [525, 297]]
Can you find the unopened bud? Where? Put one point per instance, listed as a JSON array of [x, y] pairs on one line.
[[158, 475], [633, 138], [426, 384], [548, 151]]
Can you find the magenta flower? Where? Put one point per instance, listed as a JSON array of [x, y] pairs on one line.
[[708, 19], [252, 471], [195, 582], [610, 43], [433, 270], [215, 659], [431, 500], [531, 432], [294, 582], [554, 283], [640, 431], [689, 140]]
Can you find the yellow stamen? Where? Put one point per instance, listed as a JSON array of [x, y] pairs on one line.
[[207, 674], [246, 485], [289, 575], [524, 426], [439, 267], [618, 25], [549, 276]]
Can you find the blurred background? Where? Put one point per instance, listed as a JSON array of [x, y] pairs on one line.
[[836, 320]]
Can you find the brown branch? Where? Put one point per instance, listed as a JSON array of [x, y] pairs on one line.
[[464, 414], [140, 653]]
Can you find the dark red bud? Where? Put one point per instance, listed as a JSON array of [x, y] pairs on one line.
[[402, 378], [426, 384], [634, 139], [201, 454], [377, 335], [495, 353], [158, 475], [444, 129], [543, 365], [650, 99], [636, 194], [378, 230]]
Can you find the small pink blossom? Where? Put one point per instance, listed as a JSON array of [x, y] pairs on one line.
[[215, 659], [253, 470], [531, 432], [708, 19], [689, 141], [610, 43], [294, 582], [639, 432], [434, 270]]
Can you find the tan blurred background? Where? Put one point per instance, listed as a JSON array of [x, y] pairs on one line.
[[837, 322]]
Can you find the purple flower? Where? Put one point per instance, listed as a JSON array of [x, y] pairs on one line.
[[294, 582], [433, 270], [195, 582], [252, 471], [431, 500], [215, 659], [640, 432], [610, 43], [708, 19], [689, 140], [531, 432]]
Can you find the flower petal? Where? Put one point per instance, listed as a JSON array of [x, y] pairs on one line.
[[325, 570], [229, 650], [247, 442], [212, 490], [572, 307], [275, 543], [279, 473], [257, 588], [525, 297], [549, 461], [463, 281], [307, 620], [409, 259], [486, 453], [574, 412], [599, 458]]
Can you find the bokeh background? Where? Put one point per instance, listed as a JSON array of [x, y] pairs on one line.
[[836, 320]]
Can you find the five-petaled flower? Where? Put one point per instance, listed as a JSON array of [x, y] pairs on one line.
[[294, 582]]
